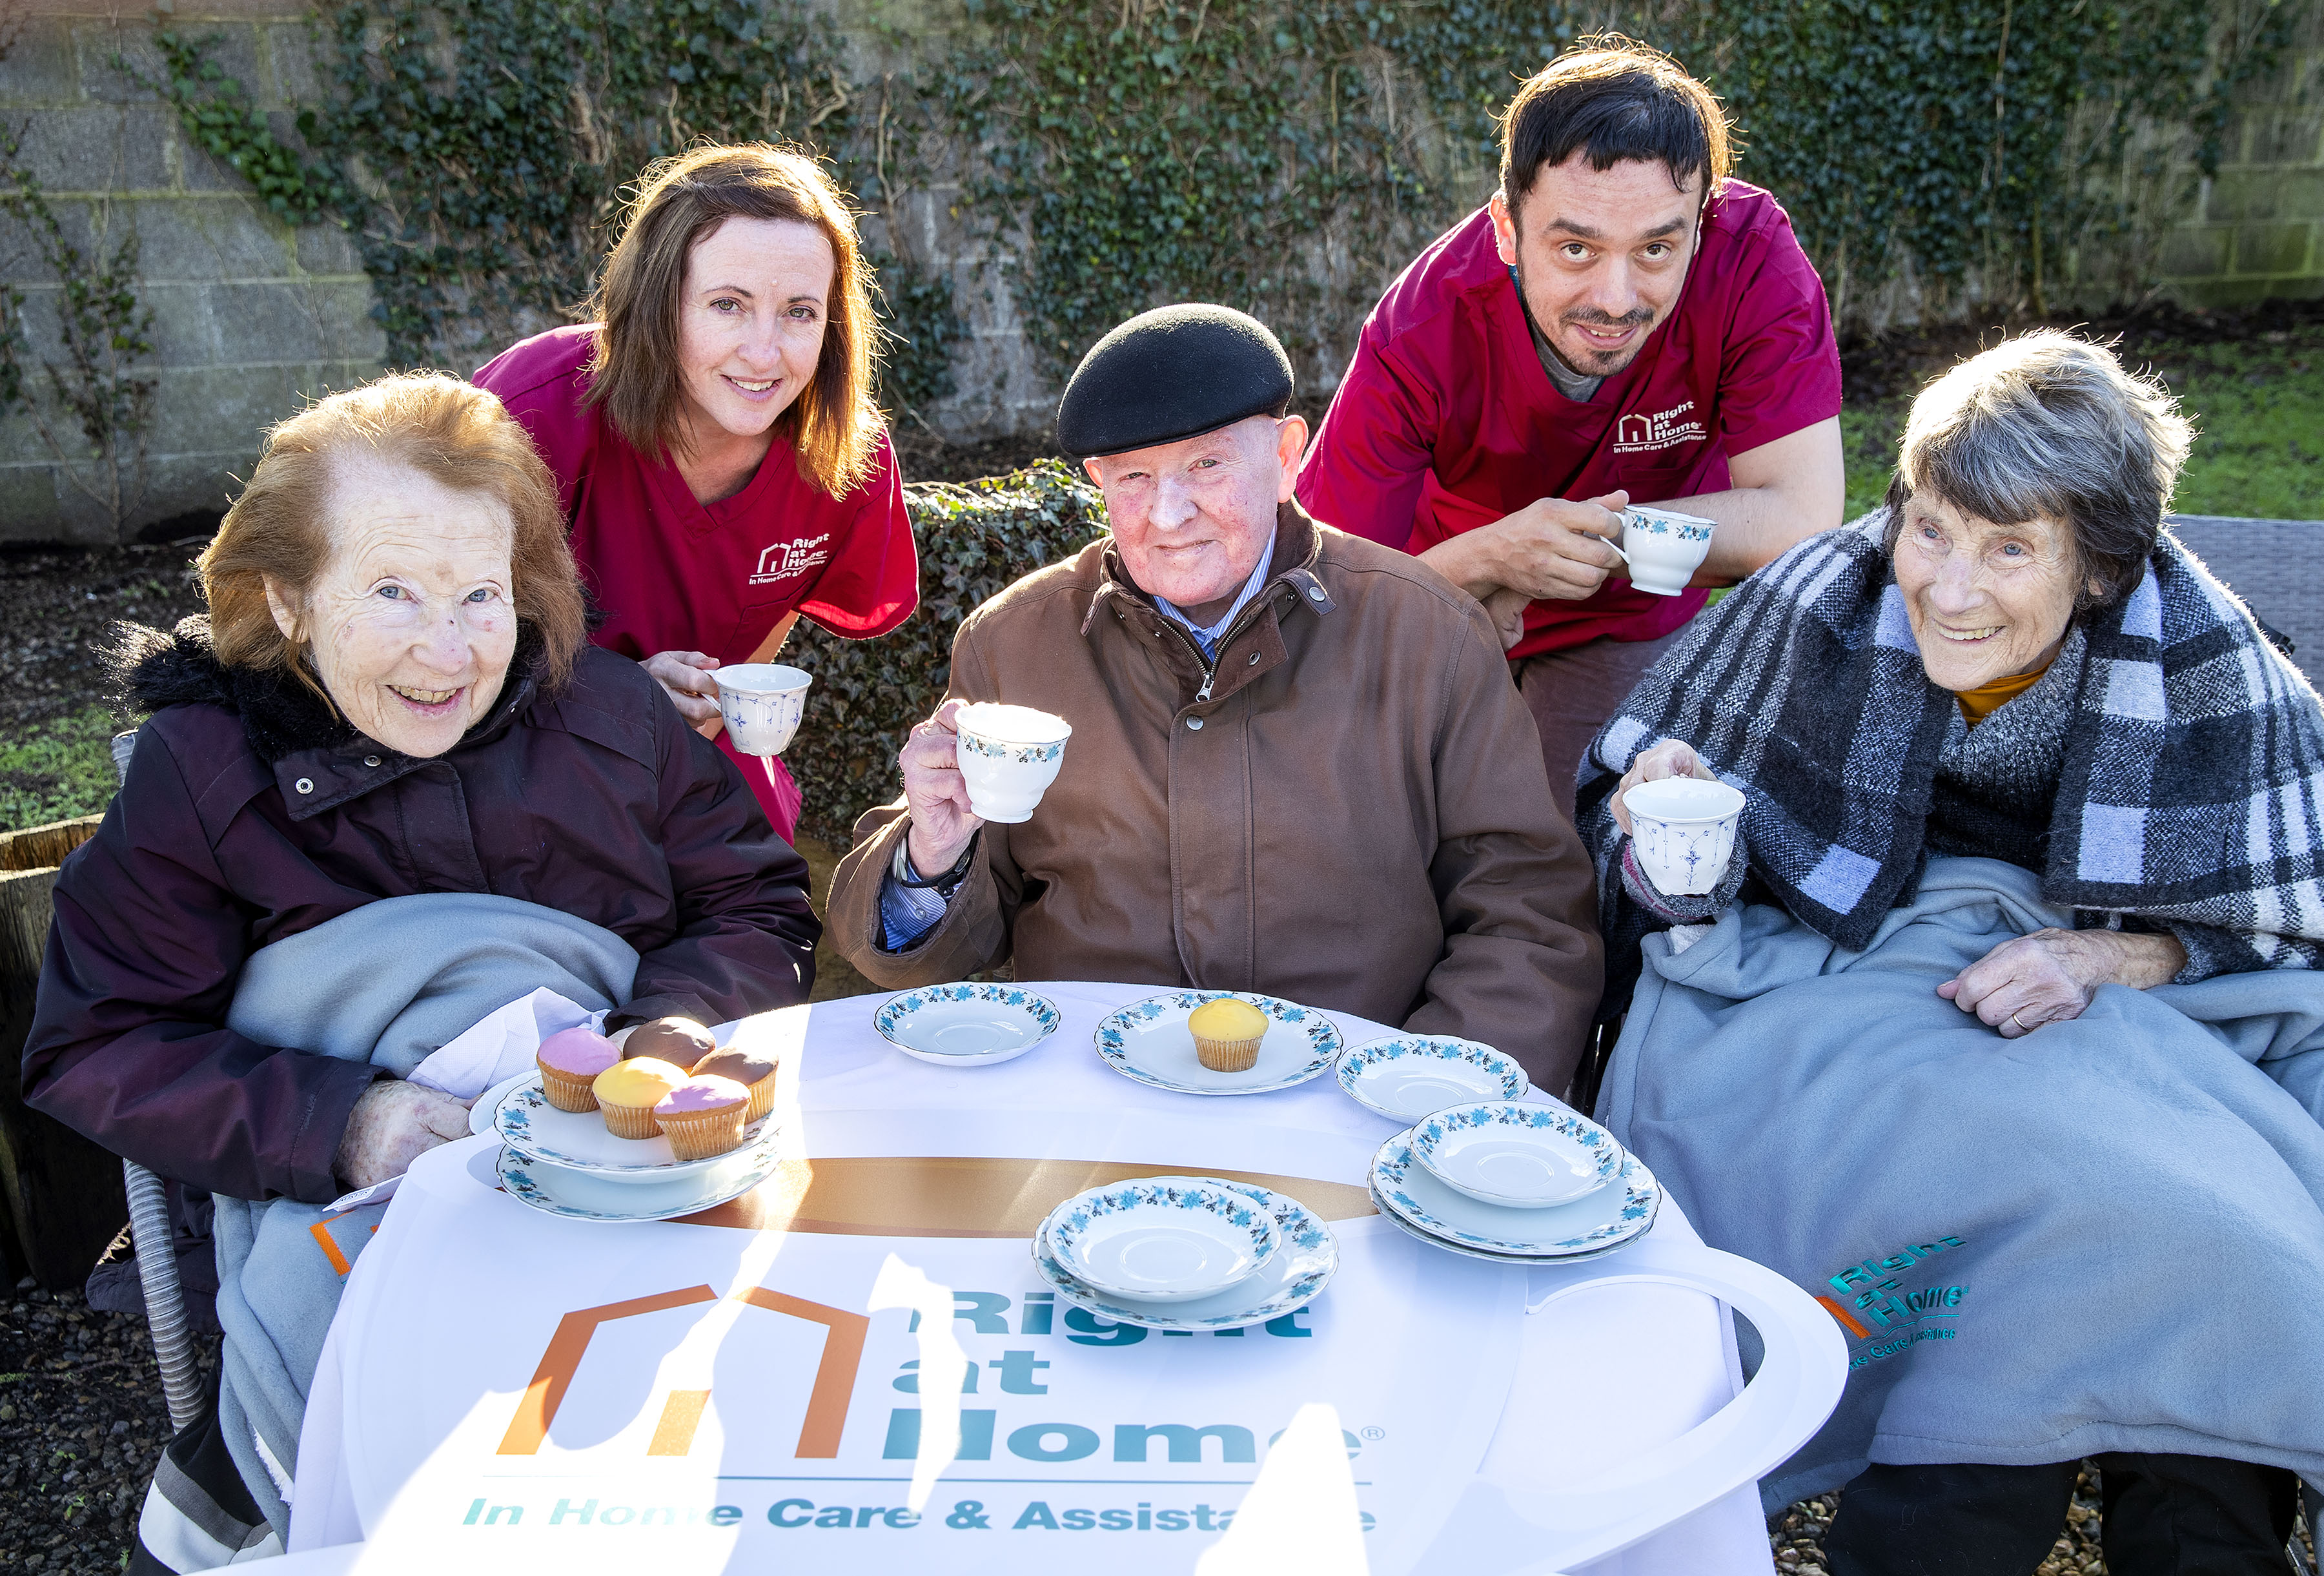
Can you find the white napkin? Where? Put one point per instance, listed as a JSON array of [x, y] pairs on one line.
[[501, 1044]]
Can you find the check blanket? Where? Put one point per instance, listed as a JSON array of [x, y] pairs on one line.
[[2191, 792], [387, 983], [2104, 1236]]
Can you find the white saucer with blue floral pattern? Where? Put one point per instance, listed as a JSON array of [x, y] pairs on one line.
[[1408, 1076], [966, 1024], [1161, 1239], [1149, 1041], [1305, 1257], [1622, 1209], [576, 1195], [1522, 1260], [1526, 1156]]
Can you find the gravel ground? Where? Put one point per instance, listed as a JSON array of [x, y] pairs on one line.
[[81, 1422]]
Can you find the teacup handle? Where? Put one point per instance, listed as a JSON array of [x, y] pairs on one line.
[[1618, 553]]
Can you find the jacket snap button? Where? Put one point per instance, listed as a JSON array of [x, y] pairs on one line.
[[1317, 592], [306, 785], [1254, 658], [1196, 723], [371, 761]]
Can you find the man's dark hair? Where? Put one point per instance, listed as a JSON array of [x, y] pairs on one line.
[[1613, 99]]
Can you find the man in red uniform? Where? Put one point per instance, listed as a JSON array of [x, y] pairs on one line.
[[1622, 324]]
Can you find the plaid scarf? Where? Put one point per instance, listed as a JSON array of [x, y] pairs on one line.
[[2190, 792]]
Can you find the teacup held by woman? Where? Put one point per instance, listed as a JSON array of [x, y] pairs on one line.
[[761, 703], [1009, 756], [1683, 830]]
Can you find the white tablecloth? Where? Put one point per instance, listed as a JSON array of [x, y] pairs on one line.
[[403, 1400]]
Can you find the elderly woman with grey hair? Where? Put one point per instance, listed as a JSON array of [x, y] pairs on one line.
[[2013, 764]]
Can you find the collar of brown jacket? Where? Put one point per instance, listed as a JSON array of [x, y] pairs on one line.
[[1253, 645]]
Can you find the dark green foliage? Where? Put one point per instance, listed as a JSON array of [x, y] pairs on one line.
[[218, 114], [975, 539], [1978, 134], [1179, 150]]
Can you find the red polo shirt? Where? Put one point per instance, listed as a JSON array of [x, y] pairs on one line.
[[675, 575], [1446, 420]]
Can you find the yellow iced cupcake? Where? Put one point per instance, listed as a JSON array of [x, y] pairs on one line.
[[1227, 1033], [628, 1092]]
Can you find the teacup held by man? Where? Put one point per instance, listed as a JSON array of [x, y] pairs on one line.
[[1664, 548], [763, 703], [1009, 756], [1683, 829]]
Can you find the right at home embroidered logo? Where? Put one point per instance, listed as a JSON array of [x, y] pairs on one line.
[[1872, 1301]]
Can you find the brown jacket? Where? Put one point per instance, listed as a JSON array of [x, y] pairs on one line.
[[1353, 814]]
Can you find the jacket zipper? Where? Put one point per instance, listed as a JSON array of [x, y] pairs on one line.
[[1210, 668]]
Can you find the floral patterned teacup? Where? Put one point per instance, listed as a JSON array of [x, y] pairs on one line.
[[1683, 829], [1009, 756], [763, 703], [1662, 549]]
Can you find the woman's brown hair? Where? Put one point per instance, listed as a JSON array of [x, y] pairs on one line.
[[450, 431], [834, 424]]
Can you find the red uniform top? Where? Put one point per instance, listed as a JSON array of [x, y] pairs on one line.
[[1447, 421], [675, 575]]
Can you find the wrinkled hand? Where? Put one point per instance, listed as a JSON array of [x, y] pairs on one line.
[[2050, 976], [392, 1125], [1554, 548], [1507, 608], [936, 792], [1669, 758], [685, 678]]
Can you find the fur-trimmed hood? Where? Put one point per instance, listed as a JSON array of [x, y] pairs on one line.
[[280, 715]]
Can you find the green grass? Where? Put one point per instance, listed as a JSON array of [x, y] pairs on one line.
[[2257, 407], [54, 770]]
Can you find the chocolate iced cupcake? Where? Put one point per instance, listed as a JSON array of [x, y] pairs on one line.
[[679, 1041]]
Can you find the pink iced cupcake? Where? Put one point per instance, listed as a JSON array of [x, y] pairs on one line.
[[703, 1117], [570, 1061]]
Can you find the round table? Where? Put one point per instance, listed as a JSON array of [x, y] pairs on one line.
[[500, 1385]]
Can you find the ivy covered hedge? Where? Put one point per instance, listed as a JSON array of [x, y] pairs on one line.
[[974, 538]]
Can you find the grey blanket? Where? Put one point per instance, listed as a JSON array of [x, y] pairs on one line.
[[388, 983], [2104, 1236]]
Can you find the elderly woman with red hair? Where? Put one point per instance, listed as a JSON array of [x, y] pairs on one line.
[[393, 702]]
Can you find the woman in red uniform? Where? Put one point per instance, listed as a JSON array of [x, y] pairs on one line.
[[724, 466]]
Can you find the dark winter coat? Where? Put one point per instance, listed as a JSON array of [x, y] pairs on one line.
[[252, 812]]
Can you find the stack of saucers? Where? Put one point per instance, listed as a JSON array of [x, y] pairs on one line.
[[1515, 1183], [568, 1163], [1185, 1253]]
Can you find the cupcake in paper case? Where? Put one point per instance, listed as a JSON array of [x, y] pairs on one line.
[[703, 1117], [569, 1060], [1227, 1033], [679, 1041], [628, 1092], [753, 1071]]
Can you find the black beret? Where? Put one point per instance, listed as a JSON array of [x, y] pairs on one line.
[[1172, 373]]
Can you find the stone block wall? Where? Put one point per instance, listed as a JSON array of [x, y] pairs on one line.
[[2257, 231], [251, 316]]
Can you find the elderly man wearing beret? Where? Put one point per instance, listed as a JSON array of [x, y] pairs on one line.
[[1297, 763]]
